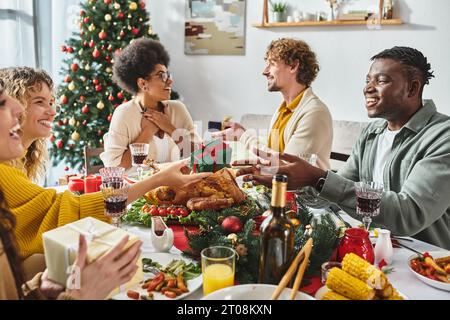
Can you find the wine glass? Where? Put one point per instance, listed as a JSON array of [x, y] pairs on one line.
[[368, 200], [139, 152], [112, 175], [115, 196]]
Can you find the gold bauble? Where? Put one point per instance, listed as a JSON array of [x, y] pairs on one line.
[[80, 52], [108, 17], [150, 30], [133, 6], [233, 238], [78, 123], [72, 121], [109, 70], [116, 6], [75, 136], [91, 27], [87, 67], [100, 105], [71, 86]]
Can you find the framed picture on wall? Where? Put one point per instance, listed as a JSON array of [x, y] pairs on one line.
[[215, 27]]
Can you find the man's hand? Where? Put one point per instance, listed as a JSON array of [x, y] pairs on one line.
[[233, 132], [299, 172]]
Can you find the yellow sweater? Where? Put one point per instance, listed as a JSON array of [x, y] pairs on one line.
[[38, 210]]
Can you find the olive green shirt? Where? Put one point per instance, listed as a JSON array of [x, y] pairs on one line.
[[416, 200]]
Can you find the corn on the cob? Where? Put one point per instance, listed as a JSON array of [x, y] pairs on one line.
[[331, 295], [395, 296], [364, 271], [349, 286]]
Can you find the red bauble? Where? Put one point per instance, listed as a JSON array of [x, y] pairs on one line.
[[107, 1], [82, 13], [135, 31], [98, 88], [85, 109], [142, 4], [63, 99], [59, 144], [63, 48], [86, 20], [99, 133], [232, 224], [111, 97], [66, 168], [84, 122], [85, 43], [120, 95], [96, 53], [95, 81], [82, 98], [116, 105], [102, 35], [60, 123], [120, 15], [66, 121], [51, 138], [67, 79], [91, 43], [108, 58], [70, 50], [122, 34], [74, 67], [110, 48], [109, 118]]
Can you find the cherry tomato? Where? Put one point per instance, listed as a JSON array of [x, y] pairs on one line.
[[162, 212], [154, 212], [183, 212], [173, 212], [133, 294]]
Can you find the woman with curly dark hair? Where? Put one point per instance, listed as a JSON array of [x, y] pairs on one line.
[[150, 117]]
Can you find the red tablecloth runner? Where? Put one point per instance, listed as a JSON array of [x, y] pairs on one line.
[[181, 243]]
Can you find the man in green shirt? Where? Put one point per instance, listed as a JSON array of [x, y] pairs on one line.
[[409, 151]]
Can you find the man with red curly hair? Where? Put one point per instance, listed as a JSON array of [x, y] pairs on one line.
[[302, 124]]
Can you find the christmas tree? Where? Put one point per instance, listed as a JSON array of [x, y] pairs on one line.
[[88, 95]]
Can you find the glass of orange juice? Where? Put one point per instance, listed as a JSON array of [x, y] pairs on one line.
[[218, 265]]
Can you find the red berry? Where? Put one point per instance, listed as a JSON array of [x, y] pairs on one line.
[[98, 88], [85, 109]]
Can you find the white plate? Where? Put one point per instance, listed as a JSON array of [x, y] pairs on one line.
[[163, 259], [321, 292], [431, 282], [253, 292], [133, 178]]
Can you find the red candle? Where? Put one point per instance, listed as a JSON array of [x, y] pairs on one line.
[[76, 185], [91, 184]]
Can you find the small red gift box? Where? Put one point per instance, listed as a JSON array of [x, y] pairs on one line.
[[92, 183]]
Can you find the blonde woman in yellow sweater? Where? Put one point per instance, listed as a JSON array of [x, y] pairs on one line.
[[97, 278], [33, 88]]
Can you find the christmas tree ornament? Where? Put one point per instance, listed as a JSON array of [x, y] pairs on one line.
[[65, 121], [77, 124], [107, 2], [91, 43], [140, 20], [66, 168], [232, 224], [75, 136], [114, 23], [69, 49], [71, 86], [135, 31], [60, 123], [98, 88], [82, 98], [95, 81], [91, 27], [85, 109], [74, 67], [133, 6], [63, 48], [99, 133], [87, 67], [59, 144], [233, 238], [120, 95], [120, 15], [109, 117], [129, 27], [84, 122], [80, 52], [82, 13], [63, 99], [111, 97], [108, 17], [72, 121], [109, 70], [67, 79], [95, 54], [109, 48], [150, 31], [86, 20], [129, 16], [100, 105], [121, 34], [51, 138], [102, 35], [142, 4], [116, 6], [85, 43]]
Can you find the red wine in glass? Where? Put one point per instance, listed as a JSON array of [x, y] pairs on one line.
[[116, 205], [138, 158], [159, 233]]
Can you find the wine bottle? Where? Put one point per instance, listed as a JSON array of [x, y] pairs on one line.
[[277, 236]]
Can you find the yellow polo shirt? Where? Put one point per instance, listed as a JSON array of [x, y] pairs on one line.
[[276, 134]]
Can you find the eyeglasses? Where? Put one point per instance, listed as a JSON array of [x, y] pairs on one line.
[[164, 75]]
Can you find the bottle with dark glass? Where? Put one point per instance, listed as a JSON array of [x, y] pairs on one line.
[[277, 236]]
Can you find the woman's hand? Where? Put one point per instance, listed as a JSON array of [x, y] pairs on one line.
[[48, 288], [175, 174], [96, 280], [148, 128], [160, 119]]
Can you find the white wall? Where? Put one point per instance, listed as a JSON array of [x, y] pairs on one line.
[[214, 86]]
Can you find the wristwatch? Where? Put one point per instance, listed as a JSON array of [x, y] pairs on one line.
[[319, 185]]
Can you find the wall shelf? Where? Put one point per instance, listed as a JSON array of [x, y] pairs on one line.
[[327, 23]]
